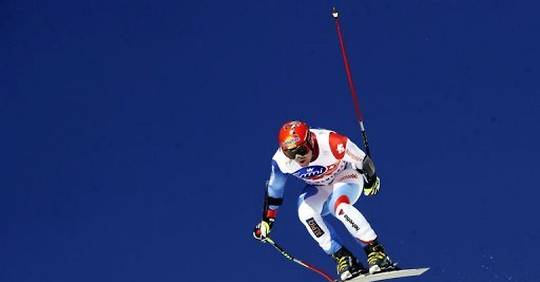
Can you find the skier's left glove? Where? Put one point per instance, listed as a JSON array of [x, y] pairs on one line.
[[262, 229], [372, 185]]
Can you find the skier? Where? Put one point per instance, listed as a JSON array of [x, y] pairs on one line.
[[335, 171]]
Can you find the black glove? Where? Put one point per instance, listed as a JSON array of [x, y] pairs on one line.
[[372, 185]]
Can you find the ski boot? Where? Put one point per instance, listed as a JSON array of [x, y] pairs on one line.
[[378, 261], [347, 265]]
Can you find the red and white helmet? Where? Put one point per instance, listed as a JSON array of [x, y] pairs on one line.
[[293, 134]]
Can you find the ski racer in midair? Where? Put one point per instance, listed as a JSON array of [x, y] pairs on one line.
[[336, 171]]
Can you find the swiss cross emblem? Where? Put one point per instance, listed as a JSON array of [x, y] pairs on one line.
[[340, 148]]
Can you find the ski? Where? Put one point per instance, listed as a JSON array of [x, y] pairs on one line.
[[388, 275]]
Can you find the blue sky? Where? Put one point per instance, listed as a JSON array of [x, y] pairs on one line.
[[137, 135]]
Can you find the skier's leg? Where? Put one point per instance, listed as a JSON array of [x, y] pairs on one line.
[[310, 207], [344, 195], [340, 204]]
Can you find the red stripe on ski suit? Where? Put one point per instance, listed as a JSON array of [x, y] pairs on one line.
[[342, 199]]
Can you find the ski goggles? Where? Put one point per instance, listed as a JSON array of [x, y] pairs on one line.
[[300, 150]]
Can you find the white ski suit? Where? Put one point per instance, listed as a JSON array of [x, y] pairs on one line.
[[333, 186]]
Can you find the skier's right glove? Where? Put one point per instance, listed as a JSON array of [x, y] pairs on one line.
[[262, 229]]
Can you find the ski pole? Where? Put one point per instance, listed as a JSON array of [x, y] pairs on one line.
[[359, 116], [300, 262]]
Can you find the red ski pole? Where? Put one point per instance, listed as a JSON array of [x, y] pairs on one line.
[[300, 262], [359, 116]]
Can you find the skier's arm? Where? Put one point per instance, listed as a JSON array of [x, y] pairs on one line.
[[273, 199], [368, 167], [275, 188], [353, 154], [364, 164]]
